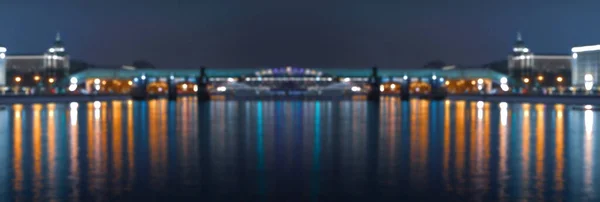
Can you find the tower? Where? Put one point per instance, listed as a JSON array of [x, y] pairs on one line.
[[519, 48], [57, 48], [521, 62], [56, 60]]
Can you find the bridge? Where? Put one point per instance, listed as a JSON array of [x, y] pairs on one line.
[[287, 81]]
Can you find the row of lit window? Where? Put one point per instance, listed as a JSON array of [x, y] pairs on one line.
[[289, 79]]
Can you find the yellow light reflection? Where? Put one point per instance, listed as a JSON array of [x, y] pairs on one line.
[[559, 148], [37, 151], [117, 146], [51, 142], [447, 143], [539, 136], [130, 146], [460, 146], [18, 148]]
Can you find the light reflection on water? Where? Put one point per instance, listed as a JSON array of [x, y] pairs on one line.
[[298, 150]]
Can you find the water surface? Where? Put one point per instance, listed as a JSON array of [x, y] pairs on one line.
[[298, 151]]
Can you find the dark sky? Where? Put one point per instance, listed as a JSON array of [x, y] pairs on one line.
[[309, 33]]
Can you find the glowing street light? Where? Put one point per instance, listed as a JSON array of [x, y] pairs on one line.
[[559, 79], [540, 78], [393, 86], [130, 83], [36, 78], [381, 88], [526, 80], [51, 80], [18, 79]]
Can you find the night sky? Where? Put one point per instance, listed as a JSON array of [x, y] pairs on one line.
[[309, 33]]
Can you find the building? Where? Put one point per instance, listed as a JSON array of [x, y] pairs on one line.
[[2, 65], [40, 68], [586, 66], [531, 69]]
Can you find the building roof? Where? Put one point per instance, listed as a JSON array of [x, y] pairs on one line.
[[336, 72]]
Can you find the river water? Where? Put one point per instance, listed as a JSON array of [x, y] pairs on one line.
[[299, 151]]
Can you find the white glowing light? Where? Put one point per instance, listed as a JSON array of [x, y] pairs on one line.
[[503, 113], [97, 104], [54, 57], [172, 77], [588, 107], [589, 123], [479, 81], [441, 79], [73, 105], [346, 79], [434, 77], [405, 77], [2, 50], [585, 48], [503, 80], [230, 80], [221, 88], [97, 81], [143, 77], [393, 86], [2, 55], [503, 105], [575, 55], [184, 86], [72, 87], [355, 89], [504, 87], [480, 104], [51, 50], [381, 88], [195, 88], [526, 50], [589, 82], [73, 80]]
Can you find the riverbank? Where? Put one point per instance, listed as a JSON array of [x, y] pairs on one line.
[[28, 99], [549, 99]]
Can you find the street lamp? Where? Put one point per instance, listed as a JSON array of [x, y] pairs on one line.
[[51, 80], [540, 78], [18, 79], [36, 78], [559, 79], [526, 80]]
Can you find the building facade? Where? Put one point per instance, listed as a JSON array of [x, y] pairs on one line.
[[586, 66], [2, 65], [37, 69], [530, 69]]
